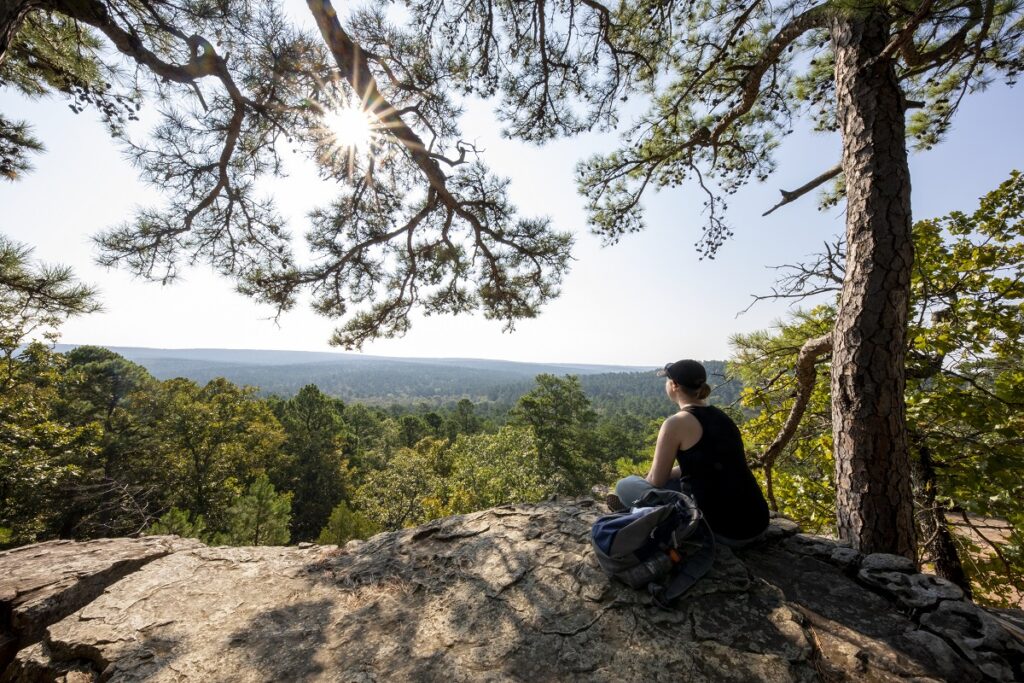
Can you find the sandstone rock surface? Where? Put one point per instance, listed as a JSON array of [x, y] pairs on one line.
[[514, 594], [43, 583]]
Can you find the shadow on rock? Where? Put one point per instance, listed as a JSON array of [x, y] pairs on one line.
[[284, 643], [514, 593]]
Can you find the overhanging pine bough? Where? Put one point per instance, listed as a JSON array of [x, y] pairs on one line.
[[237, 87]]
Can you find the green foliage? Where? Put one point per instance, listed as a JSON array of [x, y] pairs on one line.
[[40, 456], [435, 478], [51, 52], [410, 489], [464, 420], [48, 53], [637, 459], [735, 75], [563, 423], [316, 445], [374, 437], [413, 428], [494, 469], [218, 439], [803, 487], [176, 457], [36, 298], [260, 517], [344, 525], [965, 387], [555, 443], [122, 484], [16, 143], [179, 522]]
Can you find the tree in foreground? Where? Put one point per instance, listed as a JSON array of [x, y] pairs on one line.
[[125, 482], [563, 423], [410, 489], [35, 299], [964, 391], [238, 88], [317, 471], [740, 73], [216, 439], [421, 222], [178, 522], [496, 469], [40, 454]]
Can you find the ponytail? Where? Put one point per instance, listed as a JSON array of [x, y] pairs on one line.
[[698, 394]]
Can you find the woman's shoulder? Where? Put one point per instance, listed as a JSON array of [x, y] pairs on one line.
[[709, 415], [683, 421], [681, 417], [708, 409]]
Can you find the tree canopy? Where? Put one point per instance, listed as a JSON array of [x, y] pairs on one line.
[[419, 220]]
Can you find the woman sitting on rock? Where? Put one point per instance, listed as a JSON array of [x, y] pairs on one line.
[[712, 467]]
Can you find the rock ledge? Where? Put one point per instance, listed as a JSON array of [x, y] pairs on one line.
[[511, 594]]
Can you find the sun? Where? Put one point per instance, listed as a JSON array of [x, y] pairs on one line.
[[350, 133], [350, 127]]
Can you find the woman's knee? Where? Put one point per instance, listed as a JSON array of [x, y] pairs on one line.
[[630, 488], [631, 480]]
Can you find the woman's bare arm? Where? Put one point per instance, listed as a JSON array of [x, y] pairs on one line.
[[681, 430], [665, 452]]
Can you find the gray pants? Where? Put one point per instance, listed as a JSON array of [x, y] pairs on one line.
[[632, 488]]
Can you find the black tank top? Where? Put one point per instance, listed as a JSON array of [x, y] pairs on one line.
[[715, 471]]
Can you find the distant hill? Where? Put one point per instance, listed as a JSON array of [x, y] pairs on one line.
[[386, 380]]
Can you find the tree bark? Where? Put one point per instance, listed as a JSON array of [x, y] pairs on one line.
[[12, 16], [938, 537], [874, 503]]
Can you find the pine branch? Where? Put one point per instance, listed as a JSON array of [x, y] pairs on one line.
[[789, 196]]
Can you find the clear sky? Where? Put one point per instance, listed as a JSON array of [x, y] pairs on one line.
[[645, 301]]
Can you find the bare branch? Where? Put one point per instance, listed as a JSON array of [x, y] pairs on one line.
[[805, 375], [805, 280], [792, 195]]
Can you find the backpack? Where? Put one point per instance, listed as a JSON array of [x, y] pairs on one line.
[[663, 544]]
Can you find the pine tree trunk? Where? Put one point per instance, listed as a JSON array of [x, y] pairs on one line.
[[873, 477]]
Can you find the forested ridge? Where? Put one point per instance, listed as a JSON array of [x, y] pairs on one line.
[[384, 381], [113, 449]]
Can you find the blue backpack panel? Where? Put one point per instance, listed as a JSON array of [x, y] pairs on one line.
[[663, 544]]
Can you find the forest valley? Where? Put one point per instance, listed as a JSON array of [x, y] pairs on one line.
[[91, 445]]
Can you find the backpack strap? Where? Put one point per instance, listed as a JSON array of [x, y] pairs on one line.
[[694, 567]]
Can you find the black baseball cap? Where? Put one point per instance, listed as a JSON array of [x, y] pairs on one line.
[[688, 373]]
